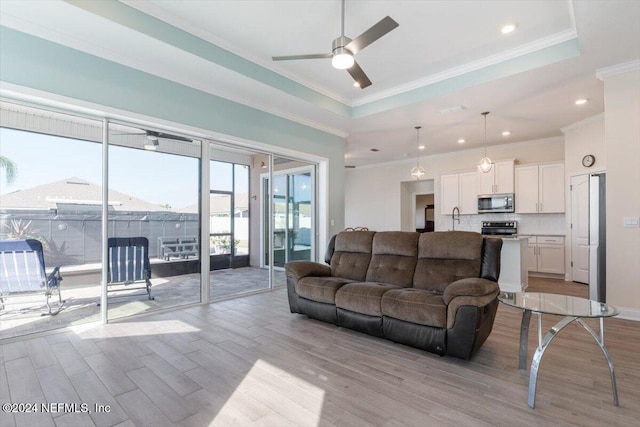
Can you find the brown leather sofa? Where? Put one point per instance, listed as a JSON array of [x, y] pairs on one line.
[[434, 291]]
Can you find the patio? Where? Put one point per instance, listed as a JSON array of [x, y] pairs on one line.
[[22, 316]]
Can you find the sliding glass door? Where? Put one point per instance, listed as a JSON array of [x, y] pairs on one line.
[[293, 213]]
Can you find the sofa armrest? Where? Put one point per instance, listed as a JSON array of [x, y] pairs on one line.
[[470, 287], [475, 292], [299, 269]]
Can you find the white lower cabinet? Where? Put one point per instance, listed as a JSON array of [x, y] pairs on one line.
[[545, 254]]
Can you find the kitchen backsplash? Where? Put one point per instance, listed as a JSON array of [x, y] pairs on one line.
[[535, 224]]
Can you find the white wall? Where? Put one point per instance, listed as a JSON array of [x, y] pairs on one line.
[[580, 139], [622, 138], [377, 196]]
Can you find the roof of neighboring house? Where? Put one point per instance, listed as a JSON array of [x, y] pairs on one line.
[[72, 193]]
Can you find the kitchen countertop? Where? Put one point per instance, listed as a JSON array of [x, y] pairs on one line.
[[540, 234], [520, 236]]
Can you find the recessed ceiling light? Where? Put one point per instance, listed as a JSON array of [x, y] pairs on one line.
[[454, 109], [356, 84], [508, 28], [582, 101], [461, 141], [420, 147], [506, 133]]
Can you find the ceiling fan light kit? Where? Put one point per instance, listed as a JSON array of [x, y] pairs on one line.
[[342, 57], [343, 49], [151, 145]]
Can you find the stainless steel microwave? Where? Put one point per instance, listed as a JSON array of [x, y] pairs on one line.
[[488, 203]]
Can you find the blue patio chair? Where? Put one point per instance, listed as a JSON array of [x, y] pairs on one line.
[[22, 272], [128, 264]]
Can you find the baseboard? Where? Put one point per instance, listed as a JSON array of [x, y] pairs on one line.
[[629, 314], [547, 275]]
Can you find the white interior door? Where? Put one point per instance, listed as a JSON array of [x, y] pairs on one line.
[[580, 228]]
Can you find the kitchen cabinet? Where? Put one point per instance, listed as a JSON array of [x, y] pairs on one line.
[[499, 179], [461, 190], [540, 188], [448, 193], [545, 254]]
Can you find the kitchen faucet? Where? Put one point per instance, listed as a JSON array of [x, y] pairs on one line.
[[453, 218]]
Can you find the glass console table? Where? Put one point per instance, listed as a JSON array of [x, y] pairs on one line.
[[573, 309]]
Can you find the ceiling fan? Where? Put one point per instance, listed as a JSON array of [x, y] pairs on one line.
[[153, 136], [343, 49]]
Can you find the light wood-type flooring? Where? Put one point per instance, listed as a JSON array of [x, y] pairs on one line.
[[249, 362]]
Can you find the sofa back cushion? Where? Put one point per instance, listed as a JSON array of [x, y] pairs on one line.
[[394, 258], [352, 254], [447, 256]]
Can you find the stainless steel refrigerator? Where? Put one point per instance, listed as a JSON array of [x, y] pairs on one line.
[[597, 238]]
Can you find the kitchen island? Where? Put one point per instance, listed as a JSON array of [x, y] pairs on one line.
[[514, 275]]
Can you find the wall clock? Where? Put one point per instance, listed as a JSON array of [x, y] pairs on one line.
[[588, 160]]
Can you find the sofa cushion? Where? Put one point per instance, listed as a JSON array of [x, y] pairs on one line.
[[393, 258], [363, 298], [416, 306], [320, 289], [352, 254], [444, 257]]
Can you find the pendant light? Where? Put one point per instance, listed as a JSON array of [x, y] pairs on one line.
[[485, 165], [418, 171]]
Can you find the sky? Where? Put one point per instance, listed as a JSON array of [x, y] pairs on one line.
[[151, 176]]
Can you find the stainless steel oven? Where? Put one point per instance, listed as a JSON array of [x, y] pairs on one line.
[[500, 228]]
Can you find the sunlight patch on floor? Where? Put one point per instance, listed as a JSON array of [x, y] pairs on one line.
[[289, 398]]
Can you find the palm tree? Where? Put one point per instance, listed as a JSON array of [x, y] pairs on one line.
[[9, 167]]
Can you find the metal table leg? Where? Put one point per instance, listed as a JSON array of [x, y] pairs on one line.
[[537, 356], [544, 343], [524, 337], [600, 341]]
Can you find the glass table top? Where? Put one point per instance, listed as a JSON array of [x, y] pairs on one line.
[[562, 305]]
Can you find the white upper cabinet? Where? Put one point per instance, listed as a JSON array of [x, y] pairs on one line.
[[468, 193], [526, 189], [551, 188], [459, 190], [498, 180], [448, 193], [540, 188]]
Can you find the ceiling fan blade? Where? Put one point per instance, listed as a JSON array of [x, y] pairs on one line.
[[359, 76], [168, 136], [378, 30], [292, 57]]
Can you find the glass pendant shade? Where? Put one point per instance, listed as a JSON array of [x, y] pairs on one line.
[[485, 164], [418, 172]]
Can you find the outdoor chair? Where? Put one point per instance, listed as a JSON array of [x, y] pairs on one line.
[[22, 272], [128, 264]]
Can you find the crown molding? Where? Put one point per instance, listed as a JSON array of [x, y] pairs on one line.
[[159, 13], [582, 123], [522, 50], [613, 70]]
